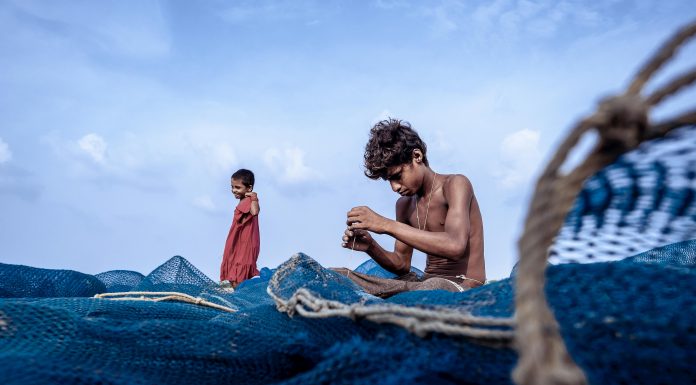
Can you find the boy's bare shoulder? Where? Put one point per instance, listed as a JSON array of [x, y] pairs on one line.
[[457, 186], [403, 203], [458, 182]]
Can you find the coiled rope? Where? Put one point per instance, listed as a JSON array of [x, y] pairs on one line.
[[162, 296]]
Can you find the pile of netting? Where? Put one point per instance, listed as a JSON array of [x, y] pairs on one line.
[[646, 199], [629, 321]]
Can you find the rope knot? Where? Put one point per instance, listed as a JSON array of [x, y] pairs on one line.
[[622, 121], [353, 311], [289, 306]]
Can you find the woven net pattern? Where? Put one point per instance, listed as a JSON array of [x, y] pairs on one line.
[[644, 200], [637, 312], [371, 267]]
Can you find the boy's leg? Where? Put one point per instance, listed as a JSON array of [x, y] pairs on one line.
[[437, 283], [384, 287], [380, 287]]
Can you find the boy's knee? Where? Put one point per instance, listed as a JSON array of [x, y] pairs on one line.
[[341, 270], [437, 283]]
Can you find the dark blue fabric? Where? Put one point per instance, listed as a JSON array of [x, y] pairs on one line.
[[372, 268], [623, 322], [644, 200], [22, 281], [120, 280]]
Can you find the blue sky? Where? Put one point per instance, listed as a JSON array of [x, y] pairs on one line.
[[121, 121]]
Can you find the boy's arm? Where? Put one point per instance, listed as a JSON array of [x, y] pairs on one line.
[[254, 210], [398, 261], [450, 243]]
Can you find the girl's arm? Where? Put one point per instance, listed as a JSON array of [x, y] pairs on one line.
[[254, 203]]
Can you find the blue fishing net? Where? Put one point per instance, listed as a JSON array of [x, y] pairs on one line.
[[28, 282], [628, 320], [372, 268], [646, 199], [120, 280], [624, 322]]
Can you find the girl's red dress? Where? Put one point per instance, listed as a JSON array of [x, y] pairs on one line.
[[242, 246]]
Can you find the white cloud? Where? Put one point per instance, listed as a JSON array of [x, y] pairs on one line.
[[95, 146], [264, 10], [505, 20], [222, 155], [288, 164], [392, 4], [519, 158], [5, 153], [219, 157], [212, 146], [118, 29], [205, 203], [443, 22]]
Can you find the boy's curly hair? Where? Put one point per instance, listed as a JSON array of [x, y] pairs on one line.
[[391, 143]]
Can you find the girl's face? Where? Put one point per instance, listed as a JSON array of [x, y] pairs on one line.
[[239, 189]]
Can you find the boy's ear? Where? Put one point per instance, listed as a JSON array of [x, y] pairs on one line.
[[417, 155]]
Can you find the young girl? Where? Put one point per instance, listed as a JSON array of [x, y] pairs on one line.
[[243, 241]]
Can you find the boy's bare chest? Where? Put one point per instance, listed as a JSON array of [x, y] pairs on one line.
[[428, 217]]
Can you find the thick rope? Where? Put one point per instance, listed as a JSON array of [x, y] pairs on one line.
[[622, 124], [419, 321], [673, 87], [662, 56], [660, 129], [161, 297]]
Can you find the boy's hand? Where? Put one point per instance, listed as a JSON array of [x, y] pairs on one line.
[[251, 195], [359, 240], [363, 218]]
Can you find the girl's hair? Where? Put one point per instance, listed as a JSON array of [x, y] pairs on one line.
[[391, 143], [244, 175]]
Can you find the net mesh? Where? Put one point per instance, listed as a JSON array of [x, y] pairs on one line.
[[636, 311], [642, 201], [120, 280], [23, 281], [371, 267]]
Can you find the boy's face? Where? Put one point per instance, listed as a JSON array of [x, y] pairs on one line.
[[239, 189], [405, 179]]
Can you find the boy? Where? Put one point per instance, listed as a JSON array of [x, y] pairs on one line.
[[243, 240], [437, 214]]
